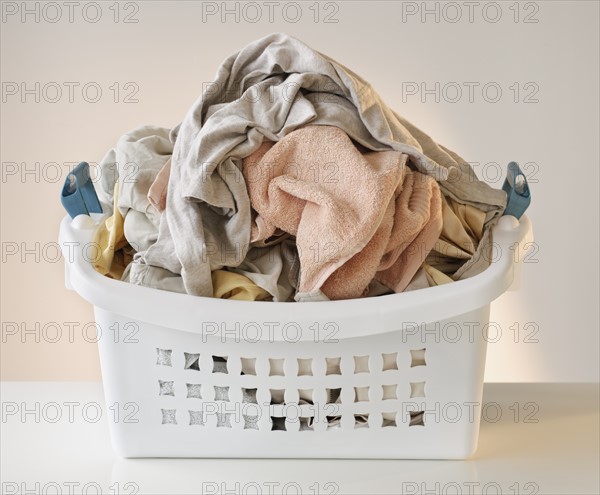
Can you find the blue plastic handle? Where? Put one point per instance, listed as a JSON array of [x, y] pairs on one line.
[[78, 195], [517, 191]]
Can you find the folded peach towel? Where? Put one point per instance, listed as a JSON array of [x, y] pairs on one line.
[[416, 227], [408, 231], [354, 214]]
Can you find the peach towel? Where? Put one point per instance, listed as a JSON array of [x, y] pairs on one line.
[[354, 214], [416, 227]]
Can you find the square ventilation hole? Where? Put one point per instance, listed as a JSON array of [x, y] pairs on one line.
[[361, 394], [278, 423], [248, 366], [224, 420], [193, 391], [417, 389], [333, 366], [163, 357], [166, 388], [276, 367], [169, 416], [191, 361], [361, 364], [417, 358], [250, 422], [361, 420], [249, 396], [277, 395], [388, 419], [306, 423], [390, 361], [219, 364], [305, 396], [417, 418], [222, 393], [333, 396], [390, 392], [333, 422], [196, 418], [305, 367]]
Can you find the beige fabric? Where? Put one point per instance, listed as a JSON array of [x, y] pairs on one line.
[[435, 277], [462, 230], [229, 285], [108, 239], [459, 242]]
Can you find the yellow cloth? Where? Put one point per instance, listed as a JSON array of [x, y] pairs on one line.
[[435, 277], [461, 232], [110, 238], [230, 285]]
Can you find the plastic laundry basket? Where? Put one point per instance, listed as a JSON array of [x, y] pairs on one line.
[[396, 376]]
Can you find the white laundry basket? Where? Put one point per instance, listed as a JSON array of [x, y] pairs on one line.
[[407, 369]]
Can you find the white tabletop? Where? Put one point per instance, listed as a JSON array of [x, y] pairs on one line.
[[535, 439]]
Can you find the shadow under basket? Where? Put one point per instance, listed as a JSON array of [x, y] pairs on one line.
[[397, 376]]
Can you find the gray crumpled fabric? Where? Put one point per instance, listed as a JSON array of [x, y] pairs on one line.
[[135, 162], [270, 88], [272, 268]]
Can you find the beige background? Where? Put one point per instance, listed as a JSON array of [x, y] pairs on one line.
[[170, 52]]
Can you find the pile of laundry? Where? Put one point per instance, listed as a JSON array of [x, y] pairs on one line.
[[290, 179]]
